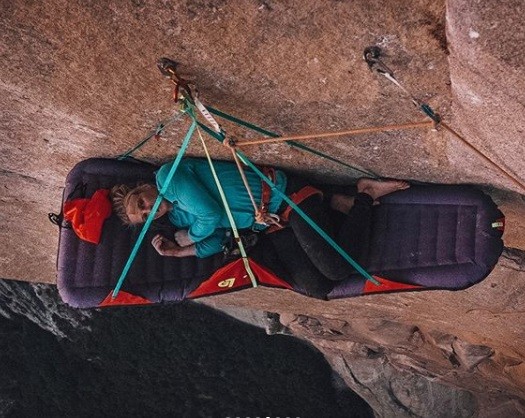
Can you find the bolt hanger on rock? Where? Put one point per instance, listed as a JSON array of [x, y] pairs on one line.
[[372, 56]]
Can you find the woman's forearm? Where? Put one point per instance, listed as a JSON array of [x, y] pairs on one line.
[[187, 251]]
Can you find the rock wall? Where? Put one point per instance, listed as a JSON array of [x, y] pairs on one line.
[[79, 80], [431, 354], [486, 66]]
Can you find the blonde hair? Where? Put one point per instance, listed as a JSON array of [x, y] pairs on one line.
[[120, 195]]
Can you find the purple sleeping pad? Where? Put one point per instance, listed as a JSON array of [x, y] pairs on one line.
[[88, 272], [440, 237]]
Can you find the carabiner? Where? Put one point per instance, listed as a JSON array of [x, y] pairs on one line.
[[168, 68], [371, 56]]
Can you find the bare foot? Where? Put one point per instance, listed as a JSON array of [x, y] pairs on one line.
[[377, 188], [342, 203]]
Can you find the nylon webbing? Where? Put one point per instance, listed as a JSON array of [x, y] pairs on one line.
[[219, 136], [294, 144], [320, 154], [154, 209], [160, 128], [229, 214], [309, 220]]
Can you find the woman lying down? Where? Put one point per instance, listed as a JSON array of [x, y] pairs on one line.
[[193, 205]]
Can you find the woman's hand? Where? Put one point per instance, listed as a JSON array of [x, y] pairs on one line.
[[164, 246], [168, 248], [183, 238]]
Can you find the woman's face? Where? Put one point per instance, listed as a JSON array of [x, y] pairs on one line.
[[141, 201]]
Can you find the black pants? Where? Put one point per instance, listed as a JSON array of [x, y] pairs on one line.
[[302, 256], [351, 233]]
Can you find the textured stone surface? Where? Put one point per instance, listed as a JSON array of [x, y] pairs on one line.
[[432, 354], [486, 74], [78, 79], [38, 302]]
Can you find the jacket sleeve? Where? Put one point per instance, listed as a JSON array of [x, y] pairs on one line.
[[188, 192], [211, 245]]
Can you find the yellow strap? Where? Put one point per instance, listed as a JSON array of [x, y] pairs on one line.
[[230, 216]]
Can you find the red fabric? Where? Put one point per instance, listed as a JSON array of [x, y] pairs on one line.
[[267, 277], [87, 216], [233, 276], [124, 298], [387, 286], [297, 198], [266, 191]]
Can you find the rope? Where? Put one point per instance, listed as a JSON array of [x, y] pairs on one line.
[[427, 110], [244, 179], [261, 216], [485, 157], [154, 209], [309, 220], [293, 144], [211, 120], [229, 214], [358, 131]]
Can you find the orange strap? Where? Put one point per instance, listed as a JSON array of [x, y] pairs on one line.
[[297, 197], [266, 191]]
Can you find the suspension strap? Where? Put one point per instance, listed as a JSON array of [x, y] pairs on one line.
[[161, 126], [292, 143], [309, 220], [154, 209], [236, 235], [261, 214], [266, 194], [297, 198], [244, 179], [204, 112]]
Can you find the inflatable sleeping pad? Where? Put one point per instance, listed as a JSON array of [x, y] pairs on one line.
[[426, 237]]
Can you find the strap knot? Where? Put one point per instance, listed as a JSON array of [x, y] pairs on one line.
[[230, 143], [263, 217]]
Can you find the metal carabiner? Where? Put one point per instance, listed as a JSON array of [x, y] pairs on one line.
[[371, 55], [168, 68]]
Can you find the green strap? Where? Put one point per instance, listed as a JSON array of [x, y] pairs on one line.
[[309, 220], [154, 209], [241, 122], [230, 215], [275, 135], [219, 136], [160, 128], [320, 154]]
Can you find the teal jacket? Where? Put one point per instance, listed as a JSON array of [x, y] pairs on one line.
[[197, 205]]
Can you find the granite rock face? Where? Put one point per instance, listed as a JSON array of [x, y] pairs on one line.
[[431, 354], [79, 80]]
